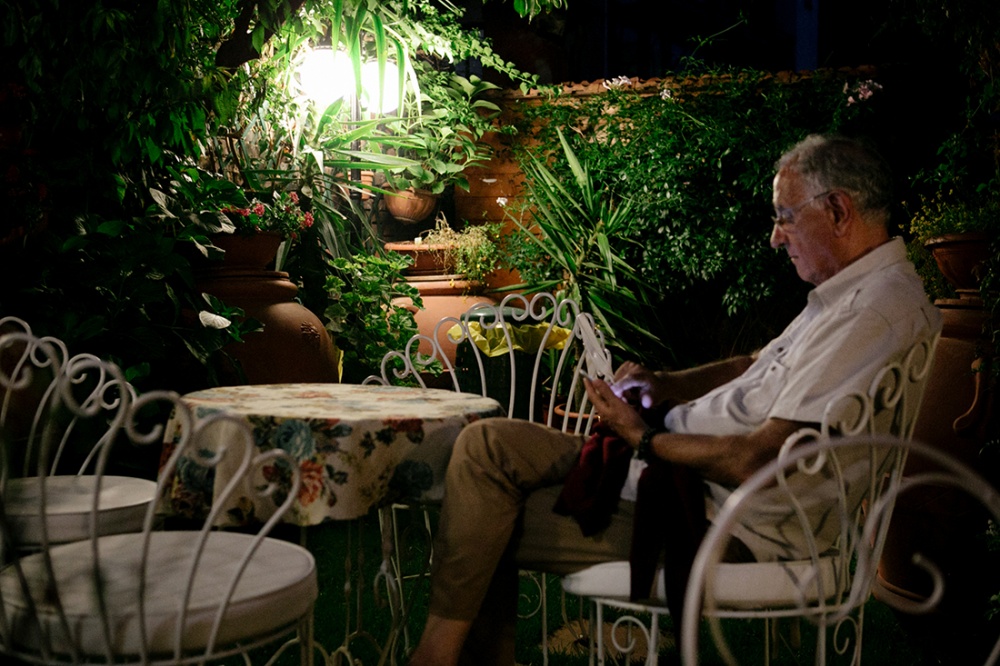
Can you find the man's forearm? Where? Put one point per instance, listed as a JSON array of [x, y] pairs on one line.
[[728, 459], [684, 385]]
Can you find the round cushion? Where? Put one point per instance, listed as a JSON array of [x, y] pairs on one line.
[[122, 504], [276, 590]]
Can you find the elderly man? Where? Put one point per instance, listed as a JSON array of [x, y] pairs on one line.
[[831, 200]]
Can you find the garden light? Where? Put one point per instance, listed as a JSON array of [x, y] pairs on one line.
[[371, 99], [325, 76]]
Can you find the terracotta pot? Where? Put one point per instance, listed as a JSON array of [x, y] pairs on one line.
[[443, 296], [293, 346], [943, 524], [411, 206], [961, 257], [560, 414], [443, 293], [254, 251], [428, 258]]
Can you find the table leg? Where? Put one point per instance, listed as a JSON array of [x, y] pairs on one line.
[[366, 595]]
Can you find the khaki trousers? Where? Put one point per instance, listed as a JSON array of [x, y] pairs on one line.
[[502, 481]]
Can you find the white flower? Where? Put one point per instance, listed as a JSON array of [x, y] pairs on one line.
[[617, 82], [212, 320], [418, 240], [666, 94], [502, 201]]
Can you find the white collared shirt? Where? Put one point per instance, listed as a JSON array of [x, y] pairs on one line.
[[866, 315]]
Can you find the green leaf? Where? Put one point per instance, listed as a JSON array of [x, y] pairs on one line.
[[257, 38], [112, 227]]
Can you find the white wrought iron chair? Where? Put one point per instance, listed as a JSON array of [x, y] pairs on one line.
[[32, 370], [817, 588], [155, 596], [528, 353], [771, 590]]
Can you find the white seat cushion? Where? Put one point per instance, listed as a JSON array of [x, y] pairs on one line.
[[277, 589], [608, 579], [123, 503], [741, 585], [755, 585]]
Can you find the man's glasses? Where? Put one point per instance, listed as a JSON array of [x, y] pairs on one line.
[[787, 215]]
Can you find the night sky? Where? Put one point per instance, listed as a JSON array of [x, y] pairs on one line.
[[594, 39]]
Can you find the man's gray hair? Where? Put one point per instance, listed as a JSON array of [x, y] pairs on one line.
[[840, 163]]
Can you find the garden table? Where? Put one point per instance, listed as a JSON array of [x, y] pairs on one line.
[[357, 446]]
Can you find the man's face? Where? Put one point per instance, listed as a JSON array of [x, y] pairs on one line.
[[804, 227]]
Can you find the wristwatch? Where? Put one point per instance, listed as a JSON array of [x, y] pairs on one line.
[[644, 449]]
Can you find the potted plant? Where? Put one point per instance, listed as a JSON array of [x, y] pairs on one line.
[[260, 227], [442, 135], [955, 231], [961, 207], [221, 220], [448, 270], [238, 237], [951, 239], [472, 253]]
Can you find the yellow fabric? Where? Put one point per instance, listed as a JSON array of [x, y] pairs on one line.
[[524, 337]]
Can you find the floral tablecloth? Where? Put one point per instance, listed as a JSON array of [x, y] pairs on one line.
[[356, 446]]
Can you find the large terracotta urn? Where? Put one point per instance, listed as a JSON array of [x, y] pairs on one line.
[[293, 346], [443, 292], [957, 414]]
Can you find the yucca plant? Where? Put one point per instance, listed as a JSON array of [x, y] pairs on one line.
[[582, 231]]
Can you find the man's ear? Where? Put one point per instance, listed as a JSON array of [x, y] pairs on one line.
[[844, 211]]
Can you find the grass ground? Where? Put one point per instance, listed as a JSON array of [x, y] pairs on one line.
[[886, 640]]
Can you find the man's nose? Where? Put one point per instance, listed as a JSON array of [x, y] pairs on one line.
[[777, 236]]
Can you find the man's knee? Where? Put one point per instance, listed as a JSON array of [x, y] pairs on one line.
[[483, 441], [526, 454]]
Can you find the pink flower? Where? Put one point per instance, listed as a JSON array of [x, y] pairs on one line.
[[258, 208], [312, 482], [307, 221], [294, 196], [864, 90]]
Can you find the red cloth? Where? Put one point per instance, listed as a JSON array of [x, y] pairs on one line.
[[592, 488]]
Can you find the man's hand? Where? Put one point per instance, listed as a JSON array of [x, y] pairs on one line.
[[638, 385], [623, 418]]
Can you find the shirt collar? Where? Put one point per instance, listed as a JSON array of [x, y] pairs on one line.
[[887, 254]]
